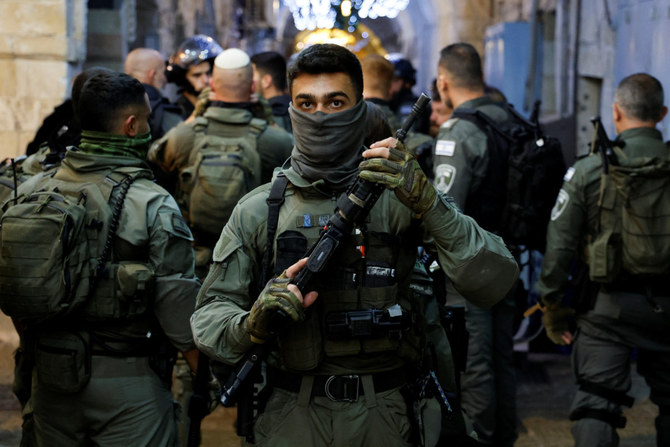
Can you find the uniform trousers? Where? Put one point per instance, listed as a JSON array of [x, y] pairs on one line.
[[618, 323], [123, 404], [300, 419]]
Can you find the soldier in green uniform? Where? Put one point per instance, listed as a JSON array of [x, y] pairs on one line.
[[124, 401], [467, 170], [630, 310], [270, 82], [329, 389], [230, 114]]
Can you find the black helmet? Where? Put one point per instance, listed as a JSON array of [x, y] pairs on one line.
[[402, 68], [192, 51]]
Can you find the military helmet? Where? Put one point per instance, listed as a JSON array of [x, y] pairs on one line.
[[192, 51], [403, 68]]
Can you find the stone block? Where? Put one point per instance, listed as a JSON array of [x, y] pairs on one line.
[[33, 17], [7, 120], [7, 77], [6, 44], [38, 78], [27, 112], [41, 46], [10, 144]]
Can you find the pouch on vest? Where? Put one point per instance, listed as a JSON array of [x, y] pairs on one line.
[[45, 247], [63, 360], [634, 217], [221, 171]]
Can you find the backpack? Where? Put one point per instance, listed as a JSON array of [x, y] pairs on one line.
[[55, 243], [534, 171], [634, 222], [221, 170]]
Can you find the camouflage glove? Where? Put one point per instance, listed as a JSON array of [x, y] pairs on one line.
[[402, 174], [274, 297], [555, 320]]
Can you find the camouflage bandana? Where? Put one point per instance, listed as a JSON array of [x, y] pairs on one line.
[[111, 145]]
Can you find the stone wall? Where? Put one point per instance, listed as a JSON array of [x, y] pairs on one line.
[[34, 49]]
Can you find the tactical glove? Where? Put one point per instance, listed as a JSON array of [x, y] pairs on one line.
[[402, 174], [555, 320], [263, 318], [202, 103]]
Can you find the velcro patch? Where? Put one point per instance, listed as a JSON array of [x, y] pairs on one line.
[[569, 174], [445, 148], [311, 220]]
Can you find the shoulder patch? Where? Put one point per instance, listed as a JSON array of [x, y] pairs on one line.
[[444, 177], [445, 148], [560, 205], [569, 174], [176, 225]]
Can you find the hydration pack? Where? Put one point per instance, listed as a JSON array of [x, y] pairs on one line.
[[55, 245], [221, 170], [634, 222], [534, 171]]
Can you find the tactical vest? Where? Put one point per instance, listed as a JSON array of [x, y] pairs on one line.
[[57, 257], [371, 270]]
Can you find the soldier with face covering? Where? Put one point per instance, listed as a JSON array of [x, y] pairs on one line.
[[322, 382]]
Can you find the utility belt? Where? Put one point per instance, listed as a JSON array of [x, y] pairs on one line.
[[338, 388], [371, 323], [120, 348], [650, 286]]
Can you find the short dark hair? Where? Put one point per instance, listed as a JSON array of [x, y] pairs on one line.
[[105, 96], [79, 81], [327, 58], [274, 64], [462, 62], [641, 97]]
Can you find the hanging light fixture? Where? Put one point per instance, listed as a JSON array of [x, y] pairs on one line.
[[345, 14]]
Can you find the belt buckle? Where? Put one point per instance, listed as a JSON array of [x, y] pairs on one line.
[[348, 381]]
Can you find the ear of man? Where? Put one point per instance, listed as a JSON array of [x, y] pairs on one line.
[[131, 126]]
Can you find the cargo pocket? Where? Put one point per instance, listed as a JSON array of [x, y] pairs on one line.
[[63, 361]]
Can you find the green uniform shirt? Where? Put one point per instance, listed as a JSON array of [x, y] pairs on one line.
[[574, 219], [477, 261], [461, 154]]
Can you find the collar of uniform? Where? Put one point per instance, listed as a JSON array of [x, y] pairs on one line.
[[641, 132], [84, 162], [477, 102], [229, 115], [318, 187]]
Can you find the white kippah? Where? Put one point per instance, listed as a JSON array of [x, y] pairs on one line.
[[232, 58]]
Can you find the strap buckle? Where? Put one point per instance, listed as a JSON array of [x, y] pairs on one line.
[[346, 388]]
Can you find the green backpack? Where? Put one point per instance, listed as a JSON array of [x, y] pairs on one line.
[[221, 170], [634, 219], [55, 244]]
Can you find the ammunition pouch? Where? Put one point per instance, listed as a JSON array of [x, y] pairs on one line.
[[63, 360], [371, 323]]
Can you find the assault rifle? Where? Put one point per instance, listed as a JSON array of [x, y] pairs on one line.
[[353, 207], [602, 144]]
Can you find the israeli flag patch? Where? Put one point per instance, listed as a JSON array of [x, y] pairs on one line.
[[445, 148], [569, 174]]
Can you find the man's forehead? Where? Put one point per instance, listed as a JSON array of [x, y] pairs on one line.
[[322, 83]]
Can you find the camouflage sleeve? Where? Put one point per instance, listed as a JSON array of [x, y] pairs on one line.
[[172, 151], [460, 162], [170, 256], [224, 301], [478, 263], [564, 234]]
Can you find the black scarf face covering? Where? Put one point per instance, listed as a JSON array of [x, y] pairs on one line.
[[328, 145]]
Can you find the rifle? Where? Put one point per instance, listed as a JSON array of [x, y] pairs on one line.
[[353, 206], [602, 144]]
